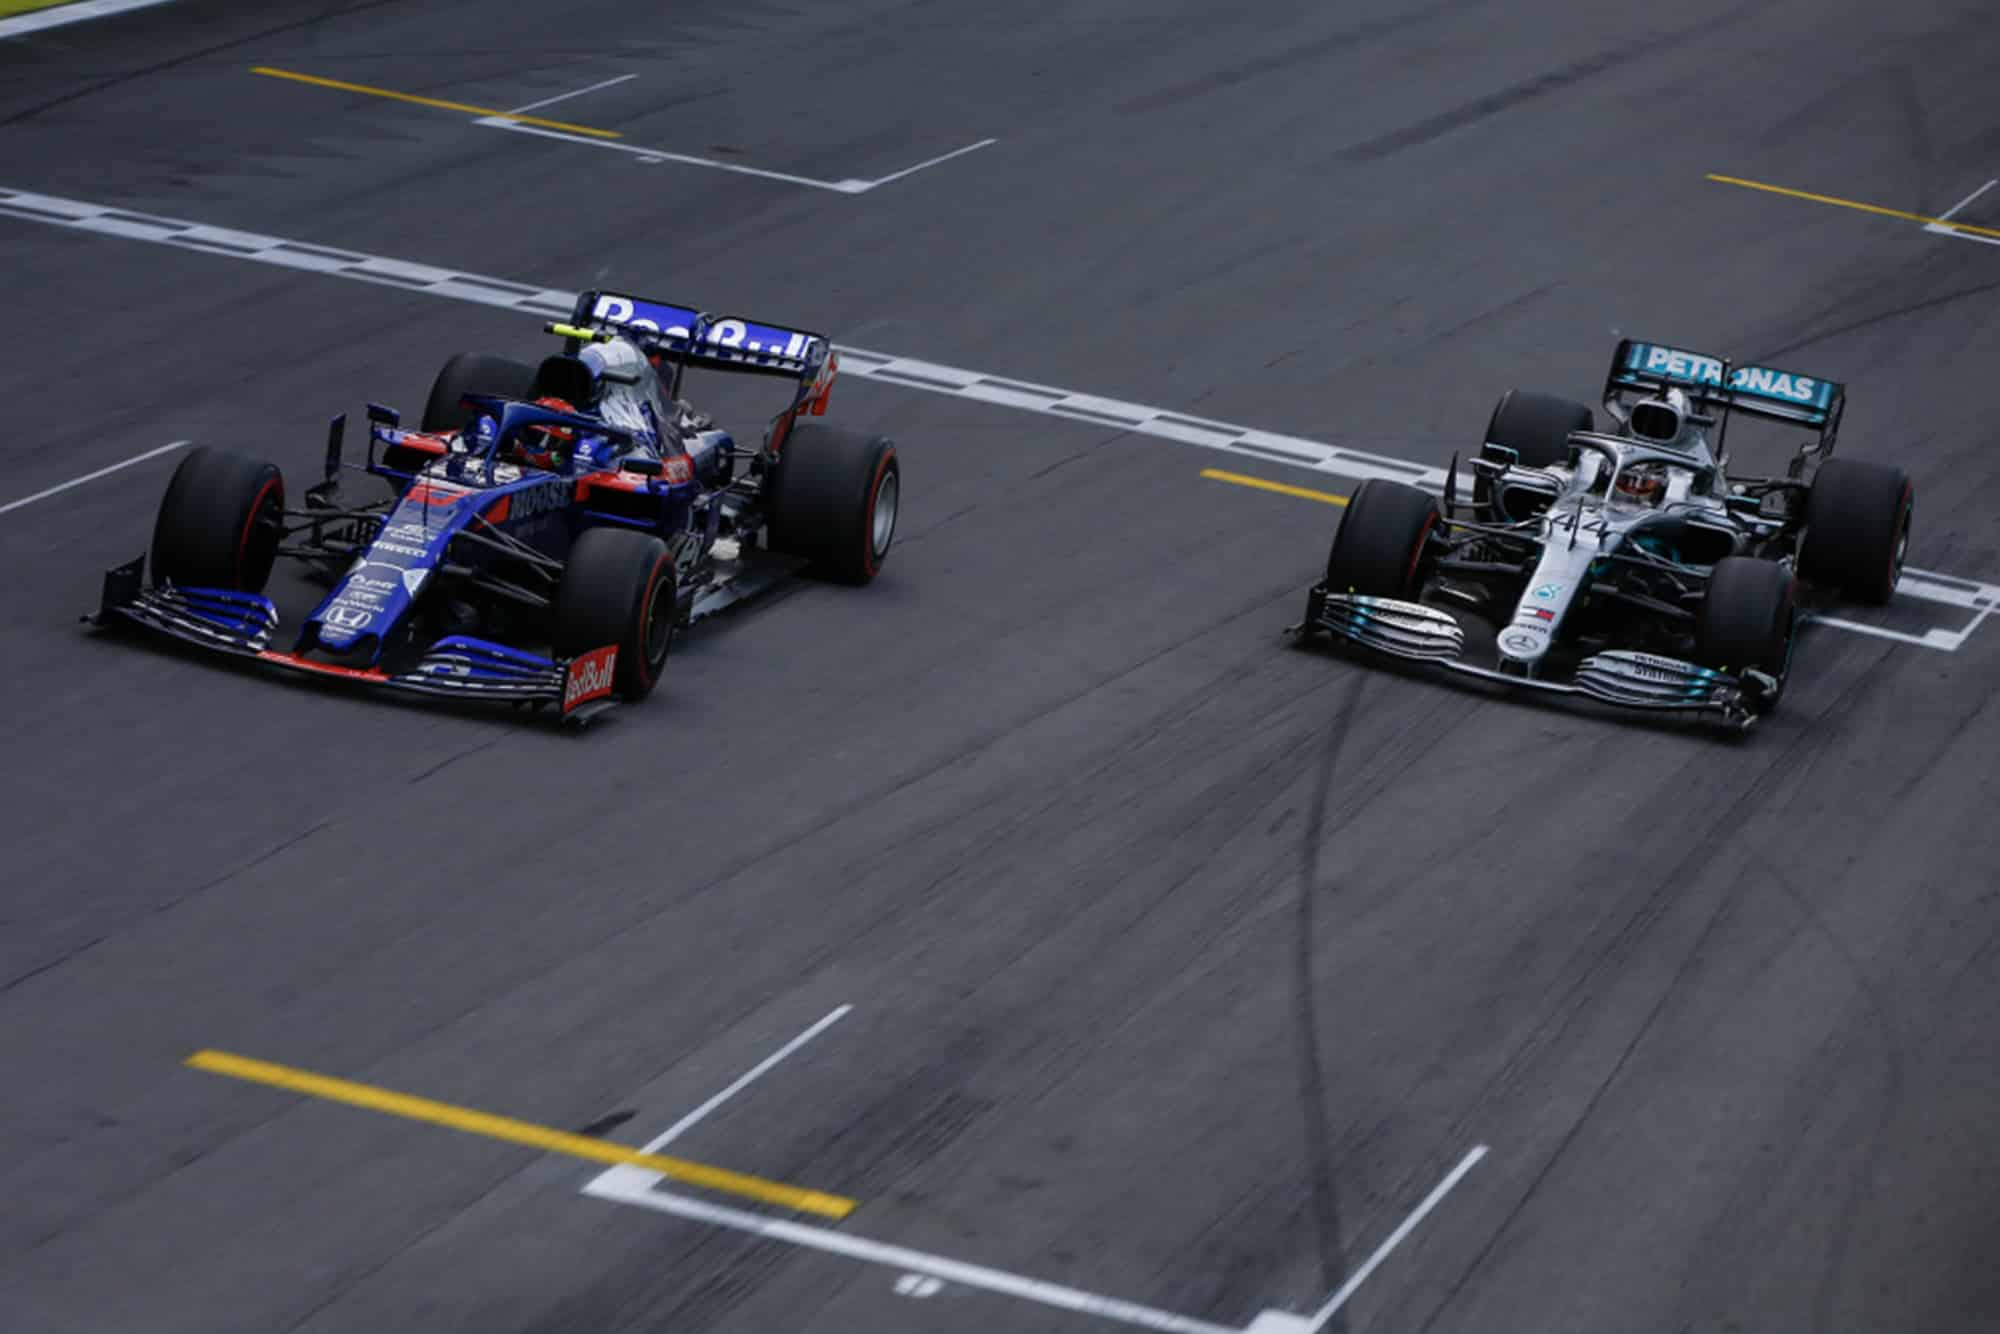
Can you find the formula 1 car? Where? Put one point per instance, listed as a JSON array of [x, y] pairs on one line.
[[549, 527], [1627, 566]]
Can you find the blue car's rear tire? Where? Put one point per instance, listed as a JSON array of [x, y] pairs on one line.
[[473, 373], [618, 588], [834, 500], [220, 522]]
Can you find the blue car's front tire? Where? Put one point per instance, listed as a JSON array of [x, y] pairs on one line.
[[220, 522], [618, 589]]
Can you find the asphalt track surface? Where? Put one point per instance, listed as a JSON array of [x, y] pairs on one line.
[[1183, 964]]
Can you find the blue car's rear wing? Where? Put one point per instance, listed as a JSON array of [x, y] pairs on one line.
[[1786, 396], [718, 342]]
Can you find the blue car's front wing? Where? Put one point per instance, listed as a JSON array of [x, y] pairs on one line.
[[456, 667]]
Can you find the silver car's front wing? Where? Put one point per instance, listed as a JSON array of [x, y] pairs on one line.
[[1420, 633]]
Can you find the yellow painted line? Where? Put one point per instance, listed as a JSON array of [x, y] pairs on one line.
[[24, 6], [525, 1133], [394, 96], [1283, 489], [1854, 204]]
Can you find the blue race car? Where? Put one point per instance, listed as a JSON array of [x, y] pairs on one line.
[[549, 527]]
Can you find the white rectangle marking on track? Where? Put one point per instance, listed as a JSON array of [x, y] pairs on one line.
[[637, 1186], [62, 15], [1002, 391], [122, 464]]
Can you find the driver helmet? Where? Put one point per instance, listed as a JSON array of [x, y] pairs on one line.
[[1642, 483], [1661, 419], [547, 446]]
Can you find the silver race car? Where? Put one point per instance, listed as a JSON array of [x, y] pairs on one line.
[[1625, 565]]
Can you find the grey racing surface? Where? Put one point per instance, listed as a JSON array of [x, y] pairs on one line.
[[1184, 963]]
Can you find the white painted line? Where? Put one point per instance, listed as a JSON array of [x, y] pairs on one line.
[[1958, 235], [635, 1186], [744, 1081], [629, 1185], [1245, 442], [1950, 641], [662, 155], [564, 97], [851, 185], [1279, 1322], [1947, 589], [1947, 214], [931, 162], [1935, 229], [909, 372], [61, 487], [62, 15]]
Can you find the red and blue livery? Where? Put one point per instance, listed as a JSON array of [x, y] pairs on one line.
[[547, 530]]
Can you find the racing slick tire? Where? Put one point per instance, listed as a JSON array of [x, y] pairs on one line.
[[1857, 528], [1746, 619], [834, 500], [220, 522], [618, 588], [1378, 549], [473, 373], [1537, 426]]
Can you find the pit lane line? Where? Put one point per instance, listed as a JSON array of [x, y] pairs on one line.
[[911, 373], [512, 1131]]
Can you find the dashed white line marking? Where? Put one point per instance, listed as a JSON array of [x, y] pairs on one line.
[[1049, 400], [61, 487], [564, 97], [61, 15]]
